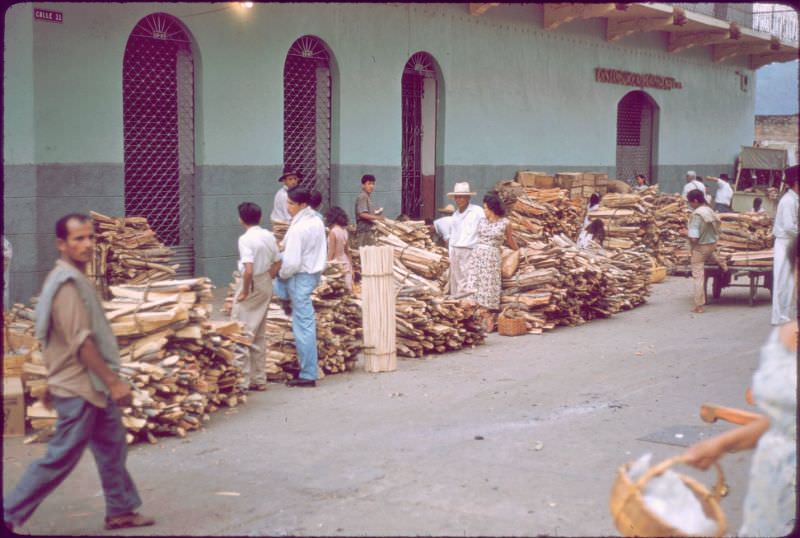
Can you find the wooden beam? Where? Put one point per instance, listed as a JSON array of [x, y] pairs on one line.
[[722, 52], [557, 14], [760, 60], [679, 42], [618, 28], [480, 9]]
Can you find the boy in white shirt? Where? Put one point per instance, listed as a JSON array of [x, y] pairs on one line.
[[259, 260]]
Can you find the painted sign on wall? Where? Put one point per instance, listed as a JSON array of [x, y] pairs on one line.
[[626, 78], [48, 15]]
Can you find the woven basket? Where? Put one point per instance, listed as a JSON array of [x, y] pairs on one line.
[[632, 517], [510, 326]]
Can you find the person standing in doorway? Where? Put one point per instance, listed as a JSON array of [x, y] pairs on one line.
[[463, 235], [366, 216], [703, 231], [723, 195], [259, 260], [339, 243], [784, 285], [280, 211], [82, 359], [304, 258], [693, 183]]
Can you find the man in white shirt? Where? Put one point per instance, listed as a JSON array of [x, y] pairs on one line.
[[304, 256], [280, 210], [463, 235], [259, 260], [441, 226], [693, 183], [784, 285], [723, 195]]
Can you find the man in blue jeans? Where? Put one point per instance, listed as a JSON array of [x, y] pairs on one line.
[[304, 256], [82, 358]]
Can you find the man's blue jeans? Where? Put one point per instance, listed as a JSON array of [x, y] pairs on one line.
[[298, 290], [79, 424]]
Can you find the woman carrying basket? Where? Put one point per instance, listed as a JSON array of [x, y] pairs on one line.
[[483, 272]]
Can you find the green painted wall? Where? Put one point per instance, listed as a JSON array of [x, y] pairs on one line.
[[19, 141]]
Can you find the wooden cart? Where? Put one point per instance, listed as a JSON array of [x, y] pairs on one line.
[[757, 277]]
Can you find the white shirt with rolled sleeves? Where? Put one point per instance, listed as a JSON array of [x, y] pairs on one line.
[[280, 208], [305, 245], [464, 227], [259, 247], [785, 226], [724, 193], [442, 226], [692, 185]]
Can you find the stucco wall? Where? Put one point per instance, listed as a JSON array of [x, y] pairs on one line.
[[513, 96]]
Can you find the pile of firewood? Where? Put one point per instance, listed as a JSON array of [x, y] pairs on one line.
[[127, 251], [181, 366], [538, 214], [671, 213], [746, 238], [628, 220], [339, 331]]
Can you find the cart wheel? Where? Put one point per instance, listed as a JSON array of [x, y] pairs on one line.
[[717, 286]]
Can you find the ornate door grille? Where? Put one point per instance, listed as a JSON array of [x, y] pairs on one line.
[[158, 120], [417, 69], [307, 114], [634, 136]]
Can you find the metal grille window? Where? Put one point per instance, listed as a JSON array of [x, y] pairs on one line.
[[635, 124], [158, 123], [419, 67], [307, 114]]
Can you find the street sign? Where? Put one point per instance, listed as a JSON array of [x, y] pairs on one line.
[[48, 15]]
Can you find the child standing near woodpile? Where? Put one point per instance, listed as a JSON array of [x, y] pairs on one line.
[[338, 241]]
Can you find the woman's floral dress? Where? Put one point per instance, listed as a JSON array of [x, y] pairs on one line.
[[483, 270]]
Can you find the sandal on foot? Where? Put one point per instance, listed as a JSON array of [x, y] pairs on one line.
[[128, 520]]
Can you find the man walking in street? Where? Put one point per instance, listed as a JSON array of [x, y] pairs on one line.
[[693, 183], [280, 211], [703, 232], [723, 195], [784, 284], [259, 260], [304, 257], [366, 216], [82, 358], [463, 235]]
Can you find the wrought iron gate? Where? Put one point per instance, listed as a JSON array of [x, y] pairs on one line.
[[417, 69], [635, 120], [307, 114], [158, 123]]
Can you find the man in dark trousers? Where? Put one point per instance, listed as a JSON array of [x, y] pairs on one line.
[[82, 358]]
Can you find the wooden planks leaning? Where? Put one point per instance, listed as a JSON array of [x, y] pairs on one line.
[[378, 308]]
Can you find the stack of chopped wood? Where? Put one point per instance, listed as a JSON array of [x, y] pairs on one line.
[[339, 332], [559, 284], [538, 214], [746, 238], [181, 366], [428, 322], [128, 252], [413, 247], [628, 221], [671, 213]]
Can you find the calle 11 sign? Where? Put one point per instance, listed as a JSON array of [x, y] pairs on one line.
[[48, 15]]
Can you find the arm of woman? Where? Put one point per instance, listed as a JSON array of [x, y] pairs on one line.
[[510, 237], [703, 454]]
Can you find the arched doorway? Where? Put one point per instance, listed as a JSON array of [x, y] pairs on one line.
[[420, 102], [307, 114], [637, 118], [158, 123]]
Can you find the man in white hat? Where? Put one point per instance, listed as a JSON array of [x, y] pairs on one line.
[[692, 183], [463, 235]]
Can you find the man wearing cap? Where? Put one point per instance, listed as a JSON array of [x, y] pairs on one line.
[[723, 195], [463, 235], [280, 208], [692, 183]]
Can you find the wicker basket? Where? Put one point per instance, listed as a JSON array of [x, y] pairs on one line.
[[631, 516], [507, 325]]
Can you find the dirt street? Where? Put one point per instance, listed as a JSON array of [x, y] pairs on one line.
[[521, 436]]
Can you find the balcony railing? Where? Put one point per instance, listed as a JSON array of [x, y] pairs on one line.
[[774, 19]]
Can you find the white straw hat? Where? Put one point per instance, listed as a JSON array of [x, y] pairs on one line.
[[461, 189]]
